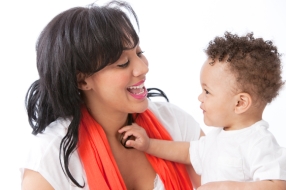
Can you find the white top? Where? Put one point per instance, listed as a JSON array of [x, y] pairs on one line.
[[43, 153], [249, 154]]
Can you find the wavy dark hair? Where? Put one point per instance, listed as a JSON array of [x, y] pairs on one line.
[[255, 62], [81, 39]]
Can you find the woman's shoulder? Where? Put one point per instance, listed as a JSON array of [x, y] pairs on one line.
[[42, 155], [44, 146], [50, 137], [59, 127], [180, 124]]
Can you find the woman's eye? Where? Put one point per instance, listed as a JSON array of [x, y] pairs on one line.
[[139, 54], [124, 65]]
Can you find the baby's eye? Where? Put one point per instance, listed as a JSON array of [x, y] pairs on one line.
[[123, 65], [207, 92], [139, 54]]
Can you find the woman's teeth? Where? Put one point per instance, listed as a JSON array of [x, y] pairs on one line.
[[136, 89]]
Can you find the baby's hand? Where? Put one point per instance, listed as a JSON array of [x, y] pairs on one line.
[[141, 141]]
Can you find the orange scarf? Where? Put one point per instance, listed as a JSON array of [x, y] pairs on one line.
[[100, 166]]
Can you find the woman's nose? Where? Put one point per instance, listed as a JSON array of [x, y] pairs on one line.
[[140, 66]]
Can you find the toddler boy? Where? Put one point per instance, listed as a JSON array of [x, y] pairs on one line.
[[239, 78]]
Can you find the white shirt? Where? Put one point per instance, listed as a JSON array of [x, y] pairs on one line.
[[249, 154], [43, 153]]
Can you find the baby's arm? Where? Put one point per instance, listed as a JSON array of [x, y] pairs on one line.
[[169, 150], [256, 185]]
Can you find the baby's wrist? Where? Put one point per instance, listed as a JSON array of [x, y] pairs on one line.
[[149, 145]]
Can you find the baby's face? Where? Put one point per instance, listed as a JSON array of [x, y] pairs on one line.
[[218, 94]]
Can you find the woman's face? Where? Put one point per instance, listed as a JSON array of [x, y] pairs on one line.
[[119, 87]]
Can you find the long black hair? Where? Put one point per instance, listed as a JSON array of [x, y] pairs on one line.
[[81, 39]]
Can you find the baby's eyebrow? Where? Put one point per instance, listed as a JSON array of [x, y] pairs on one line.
[[206, 86]]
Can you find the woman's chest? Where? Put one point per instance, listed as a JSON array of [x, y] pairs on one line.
[[135, 169]]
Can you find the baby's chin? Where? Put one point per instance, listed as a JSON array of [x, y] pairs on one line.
[[212, 124]]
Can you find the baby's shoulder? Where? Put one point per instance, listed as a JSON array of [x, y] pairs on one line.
[[259, 132]]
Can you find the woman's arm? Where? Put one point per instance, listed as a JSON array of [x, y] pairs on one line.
[[257, 185], [34, 181]]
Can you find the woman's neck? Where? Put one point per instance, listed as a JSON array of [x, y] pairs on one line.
[[110, 121]]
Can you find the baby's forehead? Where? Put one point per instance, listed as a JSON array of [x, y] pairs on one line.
[[222, 66], [217, 72]]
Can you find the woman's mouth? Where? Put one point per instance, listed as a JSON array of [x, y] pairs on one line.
[[138, 91]]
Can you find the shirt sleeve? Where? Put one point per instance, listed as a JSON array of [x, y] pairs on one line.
[[42, 156], [267, 159], [196, 150]]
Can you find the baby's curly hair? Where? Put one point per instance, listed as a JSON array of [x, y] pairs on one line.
[[255, 63]]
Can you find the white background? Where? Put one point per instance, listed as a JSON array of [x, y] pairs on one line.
[[173, 36]]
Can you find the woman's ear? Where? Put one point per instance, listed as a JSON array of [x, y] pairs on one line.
[[81, 83], [243, 103]]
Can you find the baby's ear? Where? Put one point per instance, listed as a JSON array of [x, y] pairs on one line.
[[243, 102], [81, 83]]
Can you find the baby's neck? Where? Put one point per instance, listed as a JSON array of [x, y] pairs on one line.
[[241, 123], [247, 118]]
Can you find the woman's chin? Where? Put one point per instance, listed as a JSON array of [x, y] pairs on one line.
[[142, 106]]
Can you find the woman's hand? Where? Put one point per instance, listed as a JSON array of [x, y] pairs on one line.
[[141, 141]]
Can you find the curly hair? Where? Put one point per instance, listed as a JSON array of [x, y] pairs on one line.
[[255, 63]]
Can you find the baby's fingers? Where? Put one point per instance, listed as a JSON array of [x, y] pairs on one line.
[[130, 133], [124, 129], [130, 130], [132, 143], [138, 144]]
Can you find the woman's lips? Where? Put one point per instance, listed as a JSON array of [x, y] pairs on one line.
[[137, 84], [138, 90], [139, 93]]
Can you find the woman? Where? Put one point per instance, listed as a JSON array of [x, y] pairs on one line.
[[92, 73], [91, 83]]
